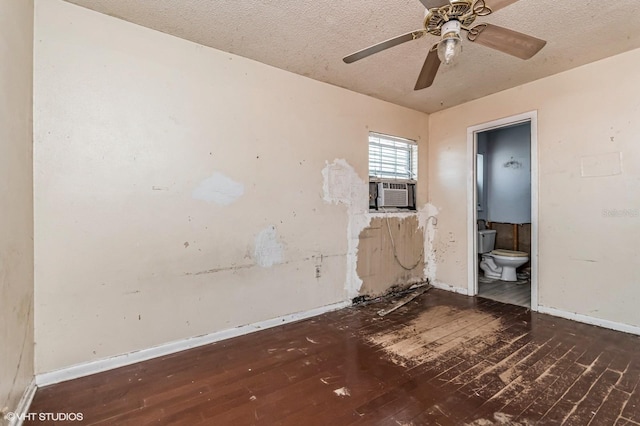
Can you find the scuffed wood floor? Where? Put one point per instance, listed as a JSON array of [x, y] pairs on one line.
[[443, 359]]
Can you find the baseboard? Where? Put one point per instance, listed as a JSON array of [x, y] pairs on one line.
[[442, 286], [23, 405], [98, 366], [626, 328]]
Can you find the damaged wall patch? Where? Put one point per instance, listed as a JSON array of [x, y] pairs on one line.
[[342, 185], [268, 250], [218, 189]]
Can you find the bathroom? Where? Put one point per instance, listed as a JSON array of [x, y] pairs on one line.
[[503, 176]]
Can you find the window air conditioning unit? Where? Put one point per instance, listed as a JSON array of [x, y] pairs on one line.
[[391, 194]]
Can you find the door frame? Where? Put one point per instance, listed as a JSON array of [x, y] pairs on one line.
[[472, 214]]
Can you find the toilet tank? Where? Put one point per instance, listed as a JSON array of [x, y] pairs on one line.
[[486, 240]]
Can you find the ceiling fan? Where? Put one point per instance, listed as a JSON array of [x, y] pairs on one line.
[[446, 19]]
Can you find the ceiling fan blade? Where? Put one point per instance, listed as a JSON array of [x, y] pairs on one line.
[[496, 5], [505, 40], [429, 70], [383, 46], [430, 4]]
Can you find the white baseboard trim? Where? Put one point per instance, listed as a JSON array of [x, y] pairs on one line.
[[447, 287], [98, 366], [23, 405], [626, 328]]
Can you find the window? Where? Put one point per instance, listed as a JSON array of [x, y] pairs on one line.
[[391, 157], [393, 172]]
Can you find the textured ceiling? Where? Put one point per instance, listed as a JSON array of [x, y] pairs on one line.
[[310, 37]]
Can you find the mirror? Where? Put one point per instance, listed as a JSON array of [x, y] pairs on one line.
[[480, 182]]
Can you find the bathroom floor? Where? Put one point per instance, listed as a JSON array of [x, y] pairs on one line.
[[514, 293]]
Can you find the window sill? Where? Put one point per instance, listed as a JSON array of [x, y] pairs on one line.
[[393, 210]]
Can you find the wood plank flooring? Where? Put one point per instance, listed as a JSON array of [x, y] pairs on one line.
[[443, 359]]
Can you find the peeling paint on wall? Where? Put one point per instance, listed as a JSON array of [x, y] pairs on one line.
[[218, 189], [268, 250], [342, 185], [428, 220]]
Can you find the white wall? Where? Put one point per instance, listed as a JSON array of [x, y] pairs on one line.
[[16, 201], [589, 174], [179, 190], [508, 184], [482, 176]]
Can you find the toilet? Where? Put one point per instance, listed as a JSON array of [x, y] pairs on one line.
[[498, 264]]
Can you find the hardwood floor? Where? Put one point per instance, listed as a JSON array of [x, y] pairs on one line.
[[443, 359]]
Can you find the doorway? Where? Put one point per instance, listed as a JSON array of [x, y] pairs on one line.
[[514, 215]]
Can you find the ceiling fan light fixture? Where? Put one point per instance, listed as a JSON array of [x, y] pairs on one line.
[[446, 19], [450, 47]]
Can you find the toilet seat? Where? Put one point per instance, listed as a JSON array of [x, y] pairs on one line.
[[509, 253], [506, 262]]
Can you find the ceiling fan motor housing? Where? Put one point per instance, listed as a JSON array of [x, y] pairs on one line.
[[451, 27], [457, 10]]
